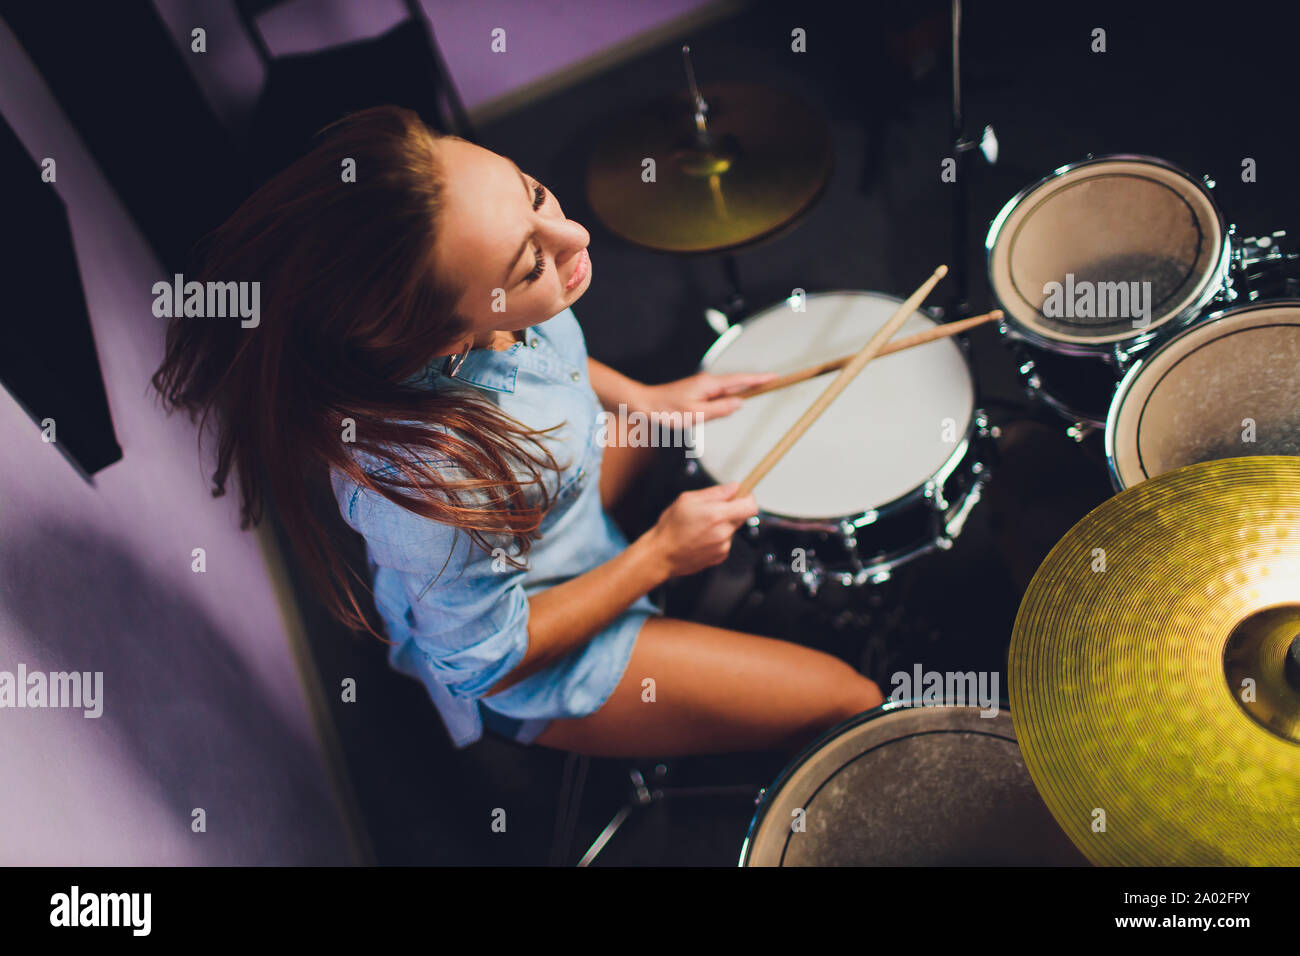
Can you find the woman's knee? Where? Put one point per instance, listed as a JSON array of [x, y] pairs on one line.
[[855, 694]]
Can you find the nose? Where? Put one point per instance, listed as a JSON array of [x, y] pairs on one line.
[[568, 238]]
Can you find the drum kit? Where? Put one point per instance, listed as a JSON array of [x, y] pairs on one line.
[[1154, 704]]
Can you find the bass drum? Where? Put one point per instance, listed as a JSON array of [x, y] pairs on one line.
[[1224, 388], [909, 786]]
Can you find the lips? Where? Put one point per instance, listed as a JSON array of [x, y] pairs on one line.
[[580, 271]]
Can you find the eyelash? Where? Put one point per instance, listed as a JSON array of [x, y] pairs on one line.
[[539, 197]]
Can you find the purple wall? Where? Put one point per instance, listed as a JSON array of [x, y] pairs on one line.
[[203, 704], [542, 36]]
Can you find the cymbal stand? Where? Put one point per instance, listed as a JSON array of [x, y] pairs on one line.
[[718, 319]]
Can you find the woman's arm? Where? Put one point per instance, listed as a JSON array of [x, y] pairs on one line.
[[614, 388], [694, 533], [704, 394]]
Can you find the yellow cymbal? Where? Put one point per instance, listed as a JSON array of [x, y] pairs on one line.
[[766, 161], [1148, 675]]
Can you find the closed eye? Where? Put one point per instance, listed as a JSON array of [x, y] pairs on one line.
[[536, 272], [539, 199]]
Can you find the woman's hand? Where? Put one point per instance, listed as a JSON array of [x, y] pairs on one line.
[[704, 395], [695, 531]]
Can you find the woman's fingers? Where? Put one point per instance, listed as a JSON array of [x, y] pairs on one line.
[[740, 509], [723, 491], [731, 509], [719, 408], [738, 381]]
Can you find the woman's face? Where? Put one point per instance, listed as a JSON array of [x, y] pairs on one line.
[[503, 237]]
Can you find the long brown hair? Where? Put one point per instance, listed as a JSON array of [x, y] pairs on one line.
[[351, 309]]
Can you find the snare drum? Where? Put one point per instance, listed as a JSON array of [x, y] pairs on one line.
[[1224, 388], [887, 473], [909, 786], [1103, 230]]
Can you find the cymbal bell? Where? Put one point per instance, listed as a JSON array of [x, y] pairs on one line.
[[1154, 671], [762, 162]]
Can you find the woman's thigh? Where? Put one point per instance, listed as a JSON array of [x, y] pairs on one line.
[[690, 689]]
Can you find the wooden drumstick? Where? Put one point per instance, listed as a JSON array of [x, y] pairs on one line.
[[847, 374], [898, 345]]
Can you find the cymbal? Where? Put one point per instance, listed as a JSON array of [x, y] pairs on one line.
[[1154, 672], [766, 161]]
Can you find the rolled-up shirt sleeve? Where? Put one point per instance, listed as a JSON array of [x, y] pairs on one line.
[[465, 606]]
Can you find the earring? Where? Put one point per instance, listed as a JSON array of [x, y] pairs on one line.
[[458, 360]]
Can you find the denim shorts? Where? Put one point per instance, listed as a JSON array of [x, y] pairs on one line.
[[520, 731]]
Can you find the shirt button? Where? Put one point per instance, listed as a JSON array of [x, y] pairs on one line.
[[533, 343], [576, 376]]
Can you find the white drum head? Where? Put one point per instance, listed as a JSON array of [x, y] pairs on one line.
[[1121, 220], [898, 424], [1195, 399]]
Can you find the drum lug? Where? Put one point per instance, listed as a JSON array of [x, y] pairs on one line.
[[1080, 431], [1029, 375], [934, 492], [1236, 254], [812, 581], [955, 524], [1208, 180], [849, 535], [752, 527]]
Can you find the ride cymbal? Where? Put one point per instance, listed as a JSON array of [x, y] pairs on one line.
[[765, 160], [1154, 672]]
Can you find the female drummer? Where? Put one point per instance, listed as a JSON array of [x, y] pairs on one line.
[[416, 346]]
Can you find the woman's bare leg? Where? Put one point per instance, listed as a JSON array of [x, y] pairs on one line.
[[716, 691]]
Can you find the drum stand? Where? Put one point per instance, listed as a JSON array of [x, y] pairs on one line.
[[962, 146], [644, 793], [720, 320]]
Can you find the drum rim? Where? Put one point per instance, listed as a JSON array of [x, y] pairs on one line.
[[833, 523], [764, 803], [1129, 381], [1213, 283]]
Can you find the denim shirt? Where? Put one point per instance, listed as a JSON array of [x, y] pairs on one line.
[[458, 616]]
